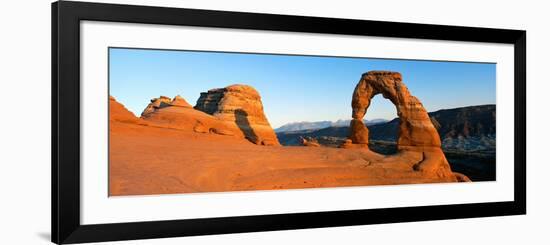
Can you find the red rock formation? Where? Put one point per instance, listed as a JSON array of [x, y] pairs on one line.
[[180, 101], [179, 114], [156, 103], [360, 133], [416, 131], [119, 113], [235, 111], [240, 105], [415, 127]]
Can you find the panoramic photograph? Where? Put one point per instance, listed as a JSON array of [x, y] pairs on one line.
[[205, 121]]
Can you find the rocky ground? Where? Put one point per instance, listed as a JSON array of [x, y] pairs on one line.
[[155, 160]]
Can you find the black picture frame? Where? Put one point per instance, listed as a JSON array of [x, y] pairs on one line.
[[65, 167]]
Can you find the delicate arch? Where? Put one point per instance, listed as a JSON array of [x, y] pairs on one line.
[[415, 127]]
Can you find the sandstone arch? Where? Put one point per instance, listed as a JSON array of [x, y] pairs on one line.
[[416, 131], [417, 136]]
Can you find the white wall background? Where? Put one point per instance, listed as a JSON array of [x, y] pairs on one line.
[[25, 121]]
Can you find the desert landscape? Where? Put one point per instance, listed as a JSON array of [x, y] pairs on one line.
[[226, 143]]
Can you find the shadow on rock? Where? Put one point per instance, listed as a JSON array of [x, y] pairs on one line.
[[241, 118]]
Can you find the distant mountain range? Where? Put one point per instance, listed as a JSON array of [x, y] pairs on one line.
[[471, 128], [300, 126]]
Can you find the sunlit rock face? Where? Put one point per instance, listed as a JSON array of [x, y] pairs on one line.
[[416, 130], [416, 134], [155, 104], [240, 104]]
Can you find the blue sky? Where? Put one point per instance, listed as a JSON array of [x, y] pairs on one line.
[[293, 88]]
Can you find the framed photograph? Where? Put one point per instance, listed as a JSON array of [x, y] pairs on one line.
[[174, 122]]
